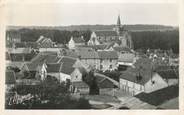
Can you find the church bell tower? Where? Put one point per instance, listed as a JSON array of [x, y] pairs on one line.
[[118, 26]]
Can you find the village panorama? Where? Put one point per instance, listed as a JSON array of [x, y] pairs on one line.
[[97, 67]]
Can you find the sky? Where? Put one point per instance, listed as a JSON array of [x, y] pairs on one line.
[[64, 14]]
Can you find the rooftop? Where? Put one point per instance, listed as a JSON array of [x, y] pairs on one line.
[[106, 33], [160, 96], [107, 54]]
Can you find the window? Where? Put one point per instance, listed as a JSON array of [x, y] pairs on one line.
[[153, 82]]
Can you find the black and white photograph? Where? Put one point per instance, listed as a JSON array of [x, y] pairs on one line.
[[92, 56]]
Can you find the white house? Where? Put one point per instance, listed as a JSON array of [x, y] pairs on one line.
[[127, 59], [134, 82], [76, 41], [66, 68], [170, 75]]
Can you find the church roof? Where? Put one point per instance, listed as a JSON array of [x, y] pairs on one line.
[[106, 33]]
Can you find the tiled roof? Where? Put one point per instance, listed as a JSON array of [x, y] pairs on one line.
[[122, 49], [20, 45], [26, 45], [160, 96], [69, 53], [104, 81], [15, 64], [106, 33], [88, 54], [10, 77], [17, 57], [29, 57], [66, 69], [20, 50], [107, 54], [68, 60], [32, 66], [170, 104], [67, 64], [40, 59], [168, 74], [44, 42], [22, 57], [53, 68], [40, 39], [129, 58], [98, 47], [45, 57], [132, 75]]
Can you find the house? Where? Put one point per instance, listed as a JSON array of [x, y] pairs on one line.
[[34, 71], [44, 42], [136, 80], [32, 45], [89, 58], [55, 70], [76, 41], [160, 97], [106, 85], [51, 49], [118, 33], [126, 59], [66, 69], [141, 78], [19, 50], [10, 80], [169, 74], [174, 60], [100, 60], [37, 66], [79, 87], [108, 60], [18, 60]]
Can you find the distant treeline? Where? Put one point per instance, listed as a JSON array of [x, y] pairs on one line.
[[142, 40], [58, 36], [136, 27], [156, 39]]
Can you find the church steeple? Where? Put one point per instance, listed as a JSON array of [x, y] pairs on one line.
[[118, 26], [119, 21]]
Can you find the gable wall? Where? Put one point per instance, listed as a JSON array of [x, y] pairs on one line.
[[159, 84]]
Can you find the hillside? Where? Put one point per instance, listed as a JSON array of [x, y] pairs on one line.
[[137, 27]]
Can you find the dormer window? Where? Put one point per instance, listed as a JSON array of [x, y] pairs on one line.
[[153, 82]]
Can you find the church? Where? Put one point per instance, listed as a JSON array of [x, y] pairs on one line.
[[117, 35]]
